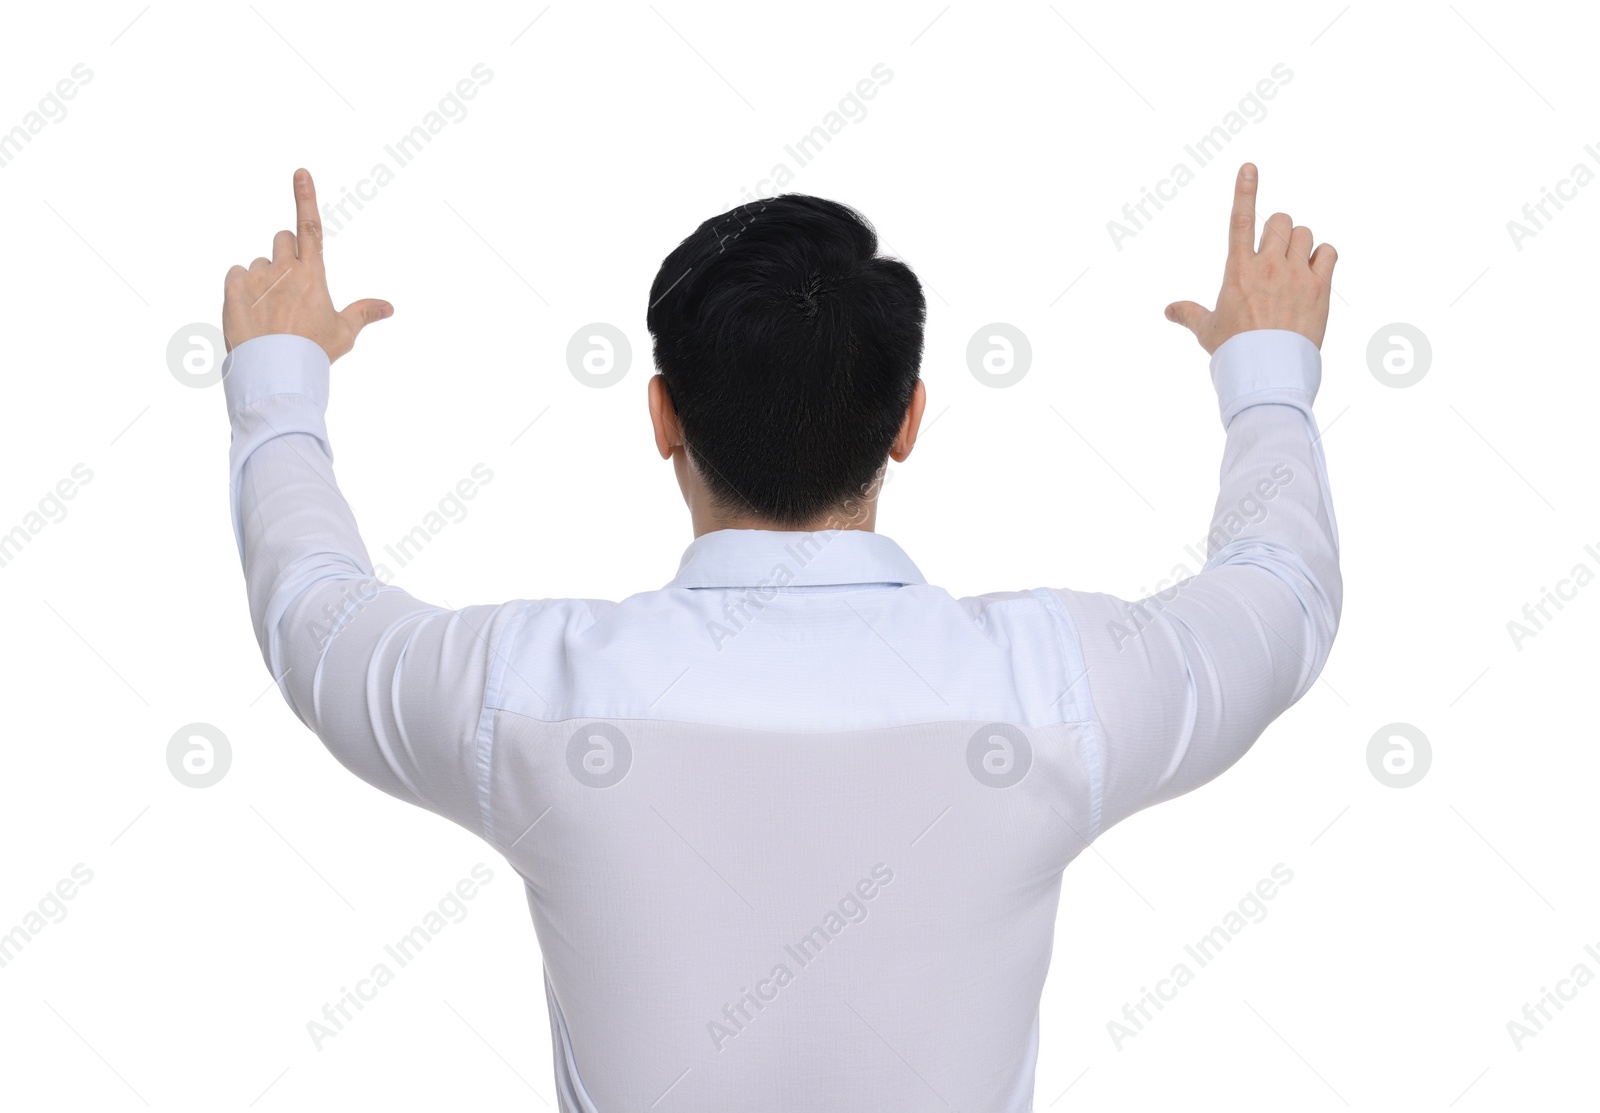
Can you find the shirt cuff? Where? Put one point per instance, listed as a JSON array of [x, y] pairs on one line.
[[278, 363], [1265, 365]]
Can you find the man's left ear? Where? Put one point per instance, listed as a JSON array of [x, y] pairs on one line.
[[906, 439]]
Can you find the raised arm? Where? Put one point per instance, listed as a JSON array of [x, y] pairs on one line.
[[1184, 681], [391, 685]]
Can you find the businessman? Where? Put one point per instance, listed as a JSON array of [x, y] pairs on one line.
[[792, 827]]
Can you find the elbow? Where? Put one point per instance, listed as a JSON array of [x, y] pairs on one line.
[[1324, 601], [1316, 589], [1321, 601], [304, 617]]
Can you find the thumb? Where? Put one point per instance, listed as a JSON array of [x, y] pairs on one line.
[[359, 314], [1189, 314]]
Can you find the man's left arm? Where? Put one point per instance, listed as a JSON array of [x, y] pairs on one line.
[[392, 686]]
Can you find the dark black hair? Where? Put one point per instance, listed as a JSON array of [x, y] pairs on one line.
[[790, 351]]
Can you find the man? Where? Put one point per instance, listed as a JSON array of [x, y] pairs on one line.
[[792, 827]]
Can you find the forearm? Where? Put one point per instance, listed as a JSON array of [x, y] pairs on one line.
[[1274, 511], [306, 569]]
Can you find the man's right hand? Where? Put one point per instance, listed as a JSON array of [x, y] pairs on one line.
[[289, 292], [1283, 284]]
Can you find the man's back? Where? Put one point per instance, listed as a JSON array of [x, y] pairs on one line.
[[812, 866]]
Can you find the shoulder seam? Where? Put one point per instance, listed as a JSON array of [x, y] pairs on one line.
[[1064, 619], [486, 716]]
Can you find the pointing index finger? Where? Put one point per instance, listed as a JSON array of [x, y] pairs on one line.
[[308, 225], [1242, 221]]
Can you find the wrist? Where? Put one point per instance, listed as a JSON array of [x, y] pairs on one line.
[[272, 364], [1260, 366]]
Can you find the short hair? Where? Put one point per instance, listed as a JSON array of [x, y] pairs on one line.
[[790, 350]]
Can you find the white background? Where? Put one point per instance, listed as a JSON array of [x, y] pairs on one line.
[[219, 921]]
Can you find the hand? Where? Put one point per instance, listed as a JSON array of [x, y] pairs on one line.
[[1282, 285], [289, 293]]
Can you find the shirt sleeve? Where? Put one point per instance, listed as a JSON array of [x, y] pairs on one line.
[[393, 687], [1183, 681]]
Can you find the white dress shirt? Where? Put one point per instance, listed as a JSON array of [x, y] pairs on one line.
[[792, 827]]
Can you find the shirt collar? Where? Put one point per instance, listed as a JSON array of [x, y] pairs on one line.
[[783, 558]]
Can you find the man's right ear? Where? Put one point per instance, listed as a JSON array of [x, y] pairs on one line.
[[906, 439], [663, 417]]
